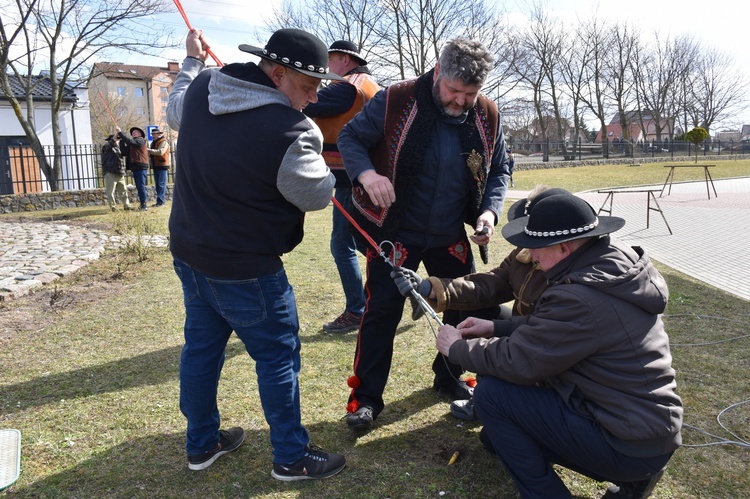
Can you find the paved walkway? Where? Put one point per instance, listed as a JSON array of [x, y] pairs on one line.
[[36, 253], [710, 240], [711, 237]]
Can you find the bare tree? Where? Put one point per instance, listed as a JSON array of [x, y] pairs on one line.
[[620, 82], [717, 90], [542, 44], [596, 38], [63, 36], [578, 64], [658, 74]]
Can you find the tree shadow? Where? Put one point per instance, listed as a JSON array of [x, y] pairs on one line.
[[119, 375]]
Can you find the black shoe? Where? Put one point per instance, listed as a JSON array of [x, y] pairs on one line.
[[486, 442], [361, 419], [229, 440], [314, 465], [634, 490], [455, 389], [143, 207], [345, 322], [464, 409]]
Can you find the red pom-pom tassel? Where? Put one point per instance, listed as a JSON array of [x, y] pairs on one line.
[[353, 382], [471, 382], [352, 406]]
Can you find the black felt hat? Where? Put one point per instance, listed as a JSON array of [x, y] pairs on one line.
[[523, 207], [349, 48], [143, 134], [558, 219], [298, 50]]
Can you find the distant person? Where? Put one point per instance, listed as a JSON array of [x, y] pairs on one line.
[[160, 162], [114, 172], [426, 156], [250, 166], [511, 165], [135, 151], [338, 103], [586, 380]]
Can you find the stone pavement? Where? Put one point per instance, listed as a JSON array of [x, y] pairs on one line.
[[711, 237], [36, 253], [710, 240]]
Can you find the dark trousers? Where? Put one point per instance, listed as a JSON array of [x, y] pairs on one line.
[[531, 428], [385, 305]]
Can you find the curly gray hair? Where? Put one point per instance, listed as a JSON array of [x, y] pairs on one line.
[[467, 60]]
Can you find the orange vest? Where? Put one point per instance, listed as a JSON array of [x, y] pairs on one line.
[[331, 126]]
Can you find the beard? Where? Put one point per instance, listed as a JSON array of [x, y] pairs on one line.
[[448, 108]]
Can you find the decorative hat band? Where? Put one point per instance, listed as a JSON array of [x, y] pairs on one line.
[[350, 52], [565, 232], [296, 64]]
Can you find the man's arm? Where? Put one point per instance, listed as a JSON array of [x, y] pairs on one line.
[[333, 100], [194, 63], [304, 178], [356, 139], [159, 150]]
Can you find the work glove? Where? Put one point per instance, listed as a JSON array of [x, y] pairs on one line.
[[406, 280]]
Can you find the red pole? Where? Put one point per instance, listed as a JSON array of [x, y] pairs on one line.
[[187, 22], [107, 108]]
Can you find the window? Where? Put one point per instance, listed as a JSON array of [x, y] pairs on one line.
[[121, 91], [164, 90], [138, 92], [164, 98]]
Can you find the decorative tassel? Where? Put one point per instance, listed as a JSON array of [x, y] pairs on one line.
[[471, 381]]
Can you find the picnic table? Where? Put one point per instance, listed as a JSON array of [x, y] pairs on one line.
[[706, 172], [649, 197]]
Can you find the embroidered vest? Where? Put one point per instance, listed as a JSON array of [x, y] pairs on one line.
[[410, 111], [331, 126]]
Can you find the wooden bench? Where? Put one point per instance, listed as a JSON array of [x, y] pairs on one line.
[[706, 172], [649, 197]]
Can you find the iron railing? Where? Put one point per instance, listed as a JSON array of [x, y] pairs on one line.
[[80, 168]]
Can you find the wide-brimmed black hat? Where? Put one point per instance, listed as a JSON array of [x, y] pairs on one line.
[[298, 50], [143, 134], [156, 130], [347, 47], [558, 219], [523, 207]]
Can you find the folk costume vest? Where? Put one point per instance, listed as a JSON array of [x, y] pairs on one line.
[[138, 157], [331, 126], [410, 112], [161, 161]]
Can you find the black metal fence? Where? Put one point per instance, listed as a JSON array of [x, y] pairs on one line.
[[559, 151], [81, 168]]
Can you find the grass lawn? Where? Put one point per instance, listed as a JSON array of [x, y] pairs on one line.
[[89, 375]]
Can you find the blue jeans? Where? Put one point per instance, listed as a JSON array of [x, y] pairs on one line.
[[344, 252], [139, 178], [263, 313], [160, 182], [531, 428]]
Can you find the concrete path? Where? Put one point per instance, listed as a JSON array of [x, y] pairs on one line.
[[711, 237]]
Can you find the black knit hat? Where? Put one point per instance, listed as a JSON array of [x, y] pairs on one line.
[[298, 50], [558, 219], [346, 47]]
